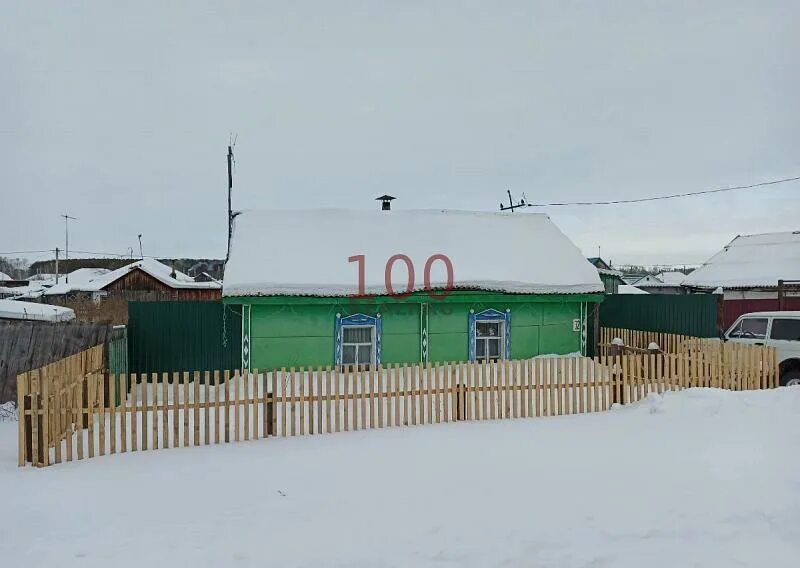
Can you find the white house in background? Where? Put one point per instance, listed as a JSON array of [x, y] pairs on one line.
[[629, 289], [748, 269], [31, 311], [649, 279], [665, 282]]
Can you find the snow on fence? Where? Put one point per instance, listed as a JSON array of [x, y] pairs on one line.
[[640, 340], [68, 416]]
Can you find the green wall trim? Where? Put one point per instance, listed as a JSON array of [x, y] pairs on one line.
[[415, 298]]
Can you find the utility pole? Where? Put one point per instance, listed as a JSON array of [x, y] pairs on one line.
[[66, 239], [56, 265]]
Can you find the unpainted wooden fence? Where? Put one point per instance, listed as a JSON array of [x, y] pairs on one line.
[[26, 345], [72, 416]]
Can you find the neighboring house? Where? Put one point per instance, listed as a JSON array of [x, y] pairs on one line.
[[22, 289], [629, 289], [31, 311], [313, 287], [611, 278], [747, 272], [146, 275], [97, 294], [666, 282], [632, 278]]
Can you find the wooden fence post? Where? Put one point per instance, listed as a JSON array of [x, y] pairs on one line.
[[23, 421]]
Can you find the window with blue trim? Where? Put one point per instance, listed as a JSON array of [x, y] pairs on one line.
[[358, 340], [489, 335]]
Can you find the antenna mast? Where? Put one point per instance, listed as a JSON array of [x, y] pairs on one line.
[[66, 247], [511, 205], [231, 214]]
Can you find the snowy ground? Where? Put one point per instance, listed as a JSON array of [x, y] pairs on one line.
[[697, 478]]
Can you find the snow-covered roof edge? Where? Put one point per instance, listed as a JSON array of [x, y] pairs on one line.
[[535, 257], [14, 309]]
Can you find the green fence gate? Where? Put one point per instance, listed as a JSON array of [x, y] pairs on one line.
[[183, 336], [695, 314]]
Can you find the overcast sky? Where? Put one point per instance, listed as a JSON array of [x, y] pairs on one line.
[[120, 116]]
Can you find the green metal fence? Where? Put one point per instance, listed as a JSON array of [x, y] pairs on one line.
[[117, 351], [694, 314], [183, 336]]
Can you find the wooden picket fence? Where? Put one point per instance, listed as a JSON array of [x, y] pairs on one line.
[[636, 339], [43, 392], [733, 362], [76, 416]]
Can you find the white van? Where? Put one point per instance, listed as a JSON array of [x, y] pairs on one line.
[[774, 329]]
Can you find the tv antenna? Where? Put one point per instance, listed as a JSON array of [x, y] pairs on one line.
[[511, 205], [66, 243]]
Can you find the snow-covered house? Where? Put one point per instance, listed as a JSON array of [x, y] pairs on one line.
[[665, 282], [334, 287], [630, 289], [22, 289], [747, 271], [146, 275]]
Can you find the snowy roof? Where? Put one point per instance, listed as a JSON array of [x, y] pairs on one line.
[[628, 289], [609, 272], [14, 309], [307, 252], [671, 277], [631, 278], [4, 276], [603, 267], [647, 280], [666, 279], [32, 290], [751, 261], [95, 279]]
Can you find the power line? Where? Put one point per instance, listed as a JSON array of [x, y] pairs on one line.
[[673, 196], [127, 255], [26, 251]]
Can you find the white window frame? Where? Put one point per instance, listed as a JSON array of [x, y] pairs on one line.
[[372, 344], [501, 338]]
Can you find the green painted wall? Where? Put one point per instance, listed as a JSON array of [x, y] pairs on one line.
[[299, 331]]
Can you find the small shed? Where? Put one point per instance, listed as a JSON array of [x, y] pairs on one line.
[[612, 279], [338, 287]]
